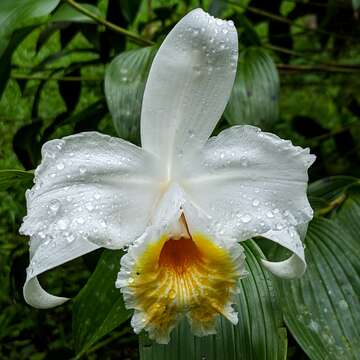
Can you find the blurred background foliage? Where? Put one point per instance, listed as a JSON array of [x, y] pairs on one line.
[[67, 67]]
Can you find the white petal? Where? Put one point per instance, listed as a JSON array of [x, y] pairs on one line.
[[188, 86], [250, 183], [295, 265], [90, 190], [48, 255]]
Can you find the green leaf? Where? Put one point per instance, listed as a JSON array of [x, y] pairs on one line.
[[322, 309], [331, 187], [125, 81], [67, 13], [130, 9], [258, 335], [10, 178], [15, 13], [5, 56], [356, 4], [99, 307], [217, 7], [254, 99]]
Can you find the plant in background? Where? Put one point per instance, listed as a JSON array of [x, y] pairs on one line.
[[170, 239]]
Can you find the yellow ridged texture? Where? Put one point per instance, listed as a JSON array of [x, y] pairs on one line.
[[188, 275]]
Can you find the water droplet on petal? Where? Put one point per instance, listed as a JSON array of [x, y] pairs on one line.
[[80, 220], [89, 206], [60, 166], [70, 238], [256, 202], [172, 294], [82, 170], [246, 218], [270, 214], [62, 224], [54, 206]]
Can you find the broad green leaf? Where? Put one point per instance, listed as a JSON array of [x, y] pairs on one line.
[[258, 335], [331, 187], [99, 307], [254, 99], [67, 13], [9, 178], [322, 309], [125, 81], [328, 193], [16, 13], [356, 4]]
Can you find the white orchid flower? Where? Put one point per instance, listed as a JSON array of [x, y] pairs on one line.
[[181, 202]]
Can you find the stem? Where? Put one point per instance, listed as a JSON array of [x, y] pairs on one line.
[[333, 204], [134, 37]]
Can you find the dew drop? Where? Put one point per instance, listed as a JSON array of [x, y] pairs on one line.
[[131, 280], [70, 238], [82, 170], [172, 294], [89, 206], [246, 218], [343, 305], [54, 206], [62, 224], [80, 220], [256, 202], [60, 166], [270, 214]]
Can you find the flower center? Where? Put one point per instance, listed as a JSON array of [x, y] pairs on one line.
[[179, 275], [179, 256]]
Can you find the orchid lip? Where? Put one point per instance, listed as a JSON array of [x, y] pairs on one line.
[[180, 274]]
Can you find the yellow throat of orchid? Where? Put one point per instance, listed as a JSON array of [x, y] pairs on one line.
[[187, 274]]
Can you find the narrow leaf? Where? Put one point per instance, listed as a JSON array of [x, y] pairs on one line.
[[12, 177], [331, 187], [258, 335], [254, 99], [124, 87], [99, 307]]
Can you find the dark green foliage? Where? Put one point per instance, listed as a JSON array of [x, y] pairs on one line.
[[62, 72]]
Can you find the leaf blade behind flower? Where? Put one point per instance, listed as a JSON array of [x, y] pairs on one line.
[[99, 308], [322, 309], [125, 80], [254, 98]]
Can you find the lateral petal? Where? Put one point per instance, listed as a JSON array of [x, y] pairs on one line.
[[252, 183], [189, 84], [90, 191]]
